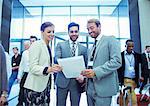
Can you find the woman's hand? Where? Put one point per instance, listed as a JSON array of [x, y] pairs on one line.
[[54, 68]]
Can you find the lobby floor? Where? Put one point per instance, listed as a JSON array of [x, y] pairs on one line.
[[13, 98]]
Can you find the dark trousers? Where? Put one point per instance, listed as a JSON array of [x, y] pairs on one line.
[[62, 94], [21, 92]]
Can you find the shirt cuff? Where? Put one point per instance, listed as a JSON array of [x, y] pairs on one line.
[[45, 72]]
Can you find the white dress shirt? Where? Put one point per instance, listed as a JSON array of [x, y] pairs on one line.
[[24, 64]]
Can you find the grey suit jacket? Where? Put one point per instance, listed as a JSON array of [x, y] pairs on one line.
[[3, 71], [63, 51], [106, 61]]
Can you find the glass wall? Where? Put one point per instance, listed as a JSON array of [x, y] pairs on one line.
[[114, 20]]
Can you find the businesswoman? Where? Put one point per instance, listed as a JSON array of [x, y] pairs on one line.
[[38, 82]]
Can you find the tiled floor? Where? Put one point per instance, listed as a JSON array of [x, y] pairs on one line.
[[15, 90]]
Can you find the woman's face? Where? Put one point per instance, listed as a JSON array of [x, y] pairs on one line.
[[48, 33]]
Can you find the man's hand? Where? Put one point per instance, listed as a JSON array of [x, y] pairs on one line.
[[141, 79], [2, 100], [18, 80], [89, 73], [16, 67]]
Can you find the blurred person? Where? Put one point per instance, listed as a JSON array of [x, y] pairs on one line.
[[38, 82], [103, 62], [23, 72], [8, 65], [64, 85], [33, 39], [145, 68], [3, 77], [15, 61], [128, 73]]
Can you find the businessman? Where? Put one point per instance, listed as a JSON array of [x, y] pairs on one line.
[[64, 85], [145, 65], [105, 59], [128, 73]]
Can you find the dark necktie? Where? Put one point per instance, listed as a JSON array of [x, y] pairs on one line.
[[73, 49], [94, 49]]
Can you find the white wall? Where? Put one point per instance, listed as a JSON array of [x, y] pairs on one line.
[[144, 15]]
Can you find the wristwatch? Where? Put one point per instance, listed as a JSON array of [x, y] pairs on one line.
[[5, 94]]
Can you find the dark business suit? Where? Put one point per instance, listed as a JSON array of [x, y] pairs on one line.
[[64, 84], [145, 73], [121, 70], [3, 71]]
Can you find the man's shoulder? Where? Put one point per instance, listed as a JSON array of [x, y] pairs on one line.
[[63, 43], [109, 38]]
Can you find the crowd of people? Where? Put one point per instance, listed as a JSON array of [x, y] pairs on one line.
[[105, 67]]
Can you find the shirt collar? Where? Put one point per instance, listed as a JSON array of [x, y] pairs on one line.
[[127, 53], [99, 37], [71, 42], [146, 53]]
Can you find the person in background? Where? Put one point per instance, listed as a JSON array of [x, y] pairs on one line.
[[23, 72], [15, 68], [145, 65], [64, 85], [104, 60], [38, 81], [24, 69], [128, 73], [33, 39], [3, 77]]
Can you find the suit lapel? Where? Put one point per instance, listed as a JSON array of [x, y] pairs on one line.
[[67, 44], [98, 46], [79, 49]]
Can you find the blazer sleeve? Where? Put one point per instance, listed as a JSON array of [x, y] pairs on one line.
[[4, 82], [114, 61], [34, 58]]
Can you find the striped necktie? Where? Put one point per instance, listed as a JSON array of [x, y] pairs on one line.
[[73, 49]]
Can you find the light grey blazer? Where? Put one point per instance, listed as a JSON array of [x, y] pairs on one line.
[[106, 61], [63, 51], [3, 70], [38, 59]]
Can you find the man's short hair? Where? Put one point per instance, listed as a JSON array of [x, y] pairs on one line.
[[33, 37], [147, 46], [96, 21], [129, 40], [15, 48], [73, 24]]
